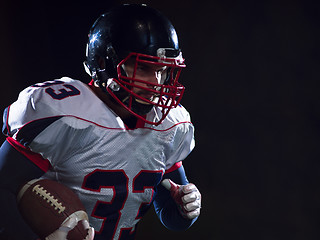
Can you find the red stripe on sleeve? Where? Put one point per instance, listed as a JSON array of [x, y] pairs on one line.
[[174, 167], [36, 158]]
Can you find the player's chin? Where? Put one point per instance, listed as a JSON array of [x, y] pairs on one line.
[[140, 107]]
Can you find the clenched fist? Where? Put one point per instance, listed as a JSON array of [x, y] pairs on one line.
[[187, 197]]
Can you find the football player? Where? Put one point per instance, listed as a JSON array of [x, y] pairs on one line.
[[118, 142]]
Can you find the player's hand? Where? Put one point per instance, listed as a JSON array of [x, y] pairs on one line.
[[69, 224], [187, 197]]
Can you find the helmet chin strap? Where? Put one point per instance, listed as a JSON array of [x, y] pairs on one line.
[[142, 102]]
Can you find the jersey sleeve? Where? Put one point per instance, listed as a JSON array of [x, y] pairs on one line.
[[36, 120], [33, 104]]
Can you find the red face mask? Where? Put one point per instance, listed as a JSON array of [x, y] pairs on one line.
[[148, 80]]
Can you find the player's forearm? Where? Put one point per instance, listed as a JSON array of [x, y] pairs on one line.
[[166, 208], [12, 226], [15, 170], [171, 218]]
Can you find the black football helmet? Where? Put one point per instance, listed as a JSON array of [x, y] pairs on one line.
[[138, 32]]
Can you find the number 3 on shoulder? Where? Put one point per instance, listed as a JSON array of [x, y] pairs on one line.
[[66, 91]]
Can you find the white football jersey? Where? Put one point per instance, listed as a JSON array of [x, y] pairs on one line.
[[113, 169]]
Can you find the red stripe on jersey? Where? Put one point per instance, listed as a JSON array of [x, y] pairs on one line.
[[140, 123], [174, 167], [36, 158]]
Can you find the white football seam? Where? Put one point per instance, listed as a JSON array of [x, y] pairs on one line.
[[38, 189], [79, 215], [43, 193]]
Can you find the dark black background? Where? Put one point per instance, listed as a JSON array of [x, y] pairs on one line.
[[252, 90]]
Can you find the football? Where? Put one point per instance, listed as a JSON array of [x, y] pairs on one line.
[[46, 204]]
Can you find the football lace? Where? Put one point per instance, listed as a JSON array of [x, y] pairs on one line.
[[49, 198]]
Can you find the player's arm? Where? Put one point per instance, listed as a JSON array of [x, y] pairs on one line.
[[15, 170], [177, 206]]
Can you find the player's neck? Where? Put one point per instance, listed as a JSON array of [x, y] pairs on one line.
[[126, 116]]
